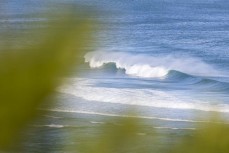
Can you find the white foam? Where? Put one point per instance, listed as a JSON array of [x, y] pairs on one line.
[[146, 71], [127, 116], [51, 125], [141, 134], [174, 128], [142, 97], [49, 116], [149, 66], [94, 122]]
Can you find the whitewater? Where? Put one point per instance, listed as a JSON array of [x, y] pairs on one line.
[[150, 66]]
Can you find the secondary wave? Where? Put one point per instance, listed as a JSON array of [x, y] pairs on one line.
[[84, 88], [207, 84], [149, 66]]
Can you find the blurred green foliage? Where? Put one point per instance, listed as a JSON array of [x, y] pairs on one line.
[[114, 138], [29, 74], [129, 135], [208, 138]]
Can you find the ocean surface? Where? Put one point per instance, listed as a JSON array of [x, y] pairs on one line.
[[166, 60]]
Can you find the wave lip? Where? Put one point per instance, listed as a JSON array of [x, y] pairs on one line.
[[149, 66], [132, 67]]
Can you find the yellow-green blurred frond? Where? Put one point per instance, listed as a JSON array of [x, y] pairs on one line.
[[30, 73]]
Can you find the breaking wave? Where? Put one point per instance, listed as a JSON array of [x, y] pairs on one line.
[[149, 66]]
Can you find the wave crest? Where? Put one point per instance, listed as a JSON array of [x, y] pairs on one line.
[[146, 71], [149, 66]]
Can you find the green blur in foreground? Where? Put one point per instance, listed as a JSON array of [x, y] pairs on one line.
[[30, 74], [129, 136], [209, 138]]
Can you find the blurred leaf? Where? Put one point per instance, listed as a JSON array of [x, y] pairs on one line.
[[208, 138], [30, 74], [121, 135]]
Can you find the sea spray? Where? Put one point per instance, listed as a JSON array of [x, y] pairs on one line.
[[150, 66]]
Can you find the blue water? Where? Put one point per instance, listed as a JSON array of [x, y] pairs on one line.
[[166, 60], [166, 56]]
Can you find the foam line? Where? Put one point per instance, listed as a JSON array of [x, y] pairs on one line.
[[50, 125], [173, 128], [138, 97], [126, 116]]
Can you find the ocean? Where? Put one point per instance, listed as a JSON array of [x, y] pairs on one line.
[[166, 60]]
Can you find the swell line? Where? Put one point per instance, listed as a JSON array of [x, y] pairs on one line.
[[126, 116]]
